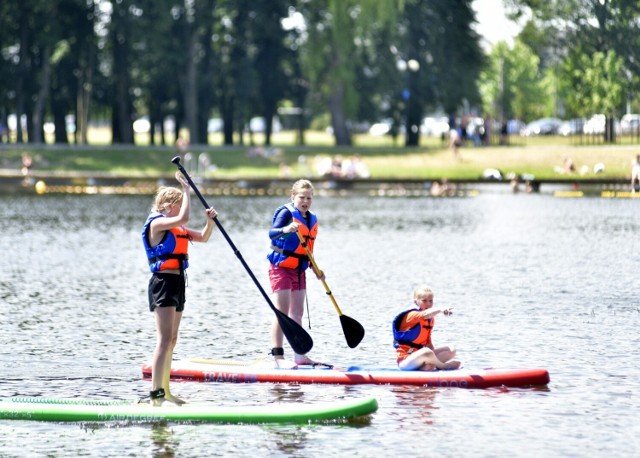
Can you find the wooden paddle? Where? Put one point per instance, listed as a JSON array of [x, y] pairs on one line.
[[298, 338], [353, 331]]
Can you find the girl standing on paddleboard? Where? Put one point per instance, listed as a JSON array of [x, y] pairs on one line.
[[289, 261], [166, 241], [412, 336]]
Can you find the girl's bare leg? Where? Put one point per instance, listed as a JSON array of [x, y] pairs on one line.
[[167, 374], [295, 313], [282, 303], [426, 360]]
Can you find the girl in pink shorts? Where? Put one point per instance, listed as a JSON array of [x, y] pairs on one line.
[[289, 262]]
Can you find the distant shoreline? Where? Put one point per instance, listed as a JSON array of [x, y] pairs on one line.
[[82, 182]]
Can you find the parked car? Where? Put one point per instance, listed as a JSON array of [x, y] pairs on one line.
[[381, 128], [435, 126], [630, 124], [384, 127], [572, 127], [515, 127], [596, 124], [215, 125], [544, 126], [258, 124]]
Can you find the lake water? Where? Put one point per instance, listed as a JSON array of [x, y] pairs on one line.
[[535, 281]]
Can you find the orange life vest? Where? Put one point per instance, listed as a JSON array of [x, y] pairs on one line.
[[287, 251], [411, 331], [172, 251]]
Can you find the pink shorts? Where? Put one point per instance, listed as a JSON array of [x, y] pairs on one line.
[[283, 279]]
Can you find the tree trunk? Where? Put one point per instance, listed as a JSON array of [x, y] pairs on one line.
[[191, 89], [23, 69], [338, 118], [609, 130], [206, 74], [227, 121], [189, 82], [43, 94], [59, 121], [122, 124], [83, 102]]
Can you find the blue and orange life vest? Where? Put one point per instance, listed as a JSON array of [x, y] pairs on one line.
[[287, 251], [171, 252], [412, 335]]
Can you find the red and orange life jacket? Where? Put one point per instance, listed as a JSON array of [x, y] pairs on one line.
[[287, 251], [172, 251], [411, 331]]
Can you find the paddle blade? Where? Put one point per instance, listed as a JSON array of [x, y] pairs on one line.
[[298, 338], [353, 331]]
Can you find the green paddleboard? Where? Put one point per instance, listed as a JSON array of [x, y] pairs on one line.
[[86, 410]]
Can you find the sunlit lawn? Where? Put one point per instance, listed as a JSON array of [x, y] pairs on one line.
[[539, 156]]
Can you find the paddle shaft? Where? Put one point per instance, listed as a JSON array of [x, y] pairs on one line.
[[319, 272], [298, 338], [353, 331]]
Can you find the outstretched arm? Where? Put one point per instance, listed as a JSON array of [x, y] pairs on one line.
[[428, 313]]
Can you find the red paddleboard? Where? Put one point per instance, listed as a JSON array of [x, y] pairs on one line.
[[254, 372]]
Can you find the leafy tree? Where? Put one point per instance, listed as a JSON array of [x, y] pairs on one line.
[[596, 82], [579, 28], [513, 86], [75, 59], [122, 26], [438, 39], [269, 40], [331, 59]]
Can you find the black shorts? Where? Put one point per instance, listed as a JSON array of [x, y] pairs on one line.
[[166, 290]]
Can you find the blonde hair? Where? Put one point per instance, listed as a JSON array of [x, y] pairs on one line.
[[422, 291], [165, 197], [301, 185]]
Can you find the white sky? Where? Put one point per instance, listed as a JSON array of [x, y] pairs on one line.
[[493, 25]]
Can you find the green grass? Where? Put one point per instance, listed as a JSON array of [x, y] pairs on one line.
[[432, 160]]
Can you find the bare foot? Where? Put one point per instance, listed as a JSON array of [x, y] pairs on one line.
[[302, 360], [453, 364], [282, 363], [174, 399]]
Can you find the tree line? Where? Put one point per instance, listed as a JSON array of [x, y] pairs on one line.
[[337, 62]]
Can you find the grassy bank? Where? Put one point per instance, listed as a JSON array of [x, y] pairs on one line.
[[383, 159]]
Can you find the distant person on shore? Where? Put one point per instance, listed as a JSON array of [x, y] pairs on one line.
[[442, 188], [336, 166], [568, 167], [455, 141], [412, 336], [504, 133], [354, 167], [514, 181], [635, 174], [27, 163], [182, 147], [288, 262], [166, 241]]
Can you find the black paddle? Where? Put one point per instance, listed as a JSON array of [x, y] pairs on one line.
[[353, 331], [298, 338]]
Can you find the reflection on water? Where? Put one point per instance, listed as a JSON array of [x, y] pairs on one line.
[[165, 442], [416, 401], [534, 280]]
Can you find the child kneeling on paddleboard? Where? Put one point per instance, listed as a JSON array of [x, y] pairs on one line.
[[412, 336], [166, 241]]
